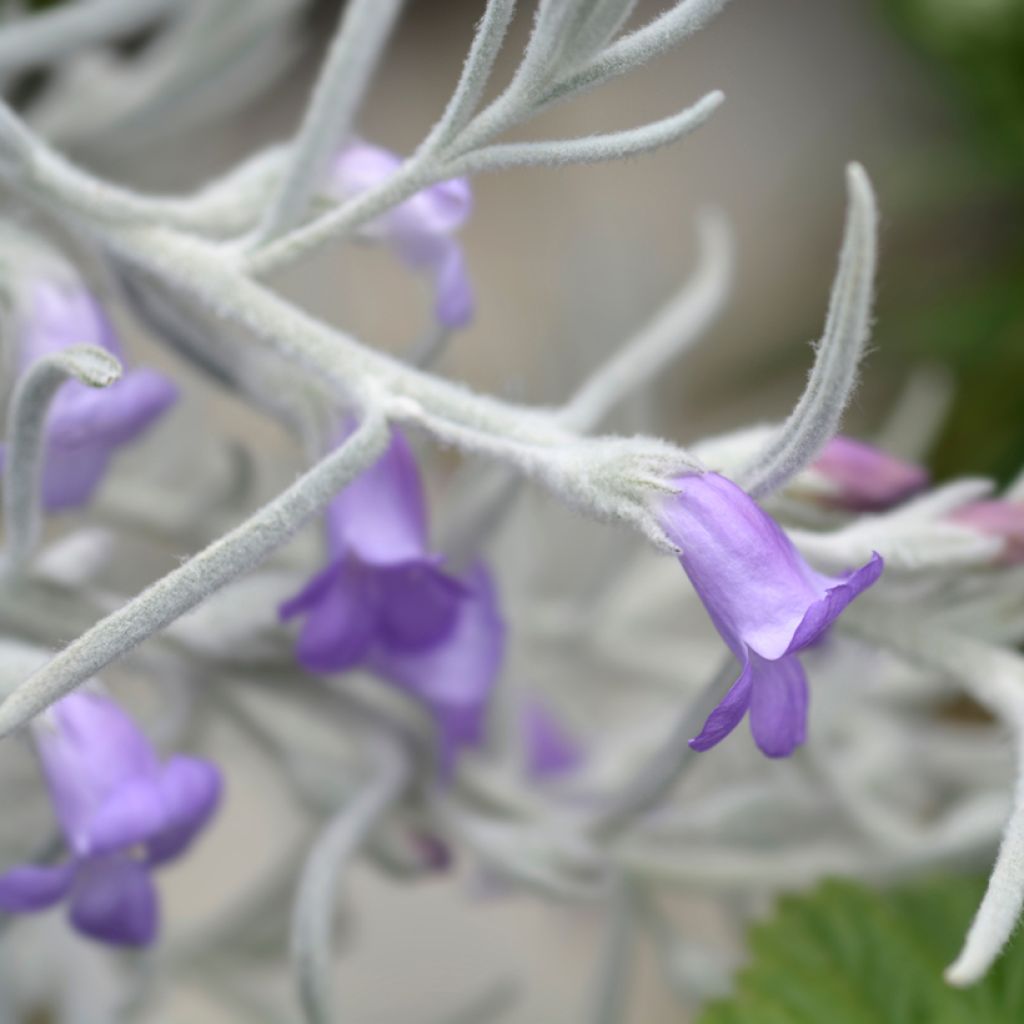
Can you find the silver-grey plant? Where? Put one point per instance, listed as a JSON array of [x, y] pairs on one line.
[[883, 786]]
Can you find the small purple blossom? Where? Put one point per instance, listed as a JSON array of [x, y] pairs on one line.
[[550, 750], [419, 229], [865, 478], [382, 587], [765, 601], [455, 677], [122, 814], [85, 426], [384, 603], [997, 518]]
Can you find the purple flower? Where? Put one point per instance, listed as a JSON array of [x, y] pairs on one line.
[[998, 518], [85, 426], [550, 750], [455, 677], [418, 229], [865, 478], [122, 813], [382, 588], [385, 604], [764, 599]]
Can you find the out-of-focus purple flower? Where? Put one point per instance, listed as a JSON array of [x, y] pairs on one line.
[[998, 518], [550, 750], [454, 678], [384, 603], [122, 814], [382, 588], [419, 229], [765, 601], [85, 426], [865, 478]]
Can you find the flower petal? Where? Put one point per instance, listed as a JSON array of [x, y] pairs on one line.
[[312, 593], [131, 814], [418, 605], [754, 583], [361, 166], [70, 477], [190, 788], [381, 516], [419, 228], [162, 812], [727, 715], [114, 901], [455, 677], [109, 416], [778, 705], [459, 727], [58, 314], [454, 303], [827, 609], [341, 616], [438, 209], [461, 670], [550, 750], [998, 518], [34, 886], [865, 478], [89, 748]]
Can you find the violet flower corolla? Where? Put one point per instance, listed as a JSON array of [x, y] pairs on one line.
[[85, 426], [767, 603], [419, 230], [997, 517], [385, 604], [122, 813], [863, 478]]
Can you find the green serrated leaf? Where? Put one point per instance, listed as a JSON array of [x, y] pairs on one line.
[[847, 954]]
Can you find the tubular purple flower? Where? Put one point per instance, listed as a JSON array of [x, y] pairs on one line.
[[865, 478], [765, 601], [85, 426], [122, 814], [382, 586], [384, 603], [454, 678], [997, 518], [419, 229]]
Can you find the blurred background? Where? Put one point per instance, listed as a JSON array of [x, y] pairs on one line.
[[927, 94]]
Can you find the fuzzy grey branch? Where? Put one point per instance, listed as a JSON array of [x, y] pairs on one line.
[[592, 149], [527, 95], [816, 416], [639, 47], [349, 216], [601, 23], [1000, 909], [26, 430], [53, 34], [313, 911], [655, 781], [609, 996], [365, 28], [476, 73]]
